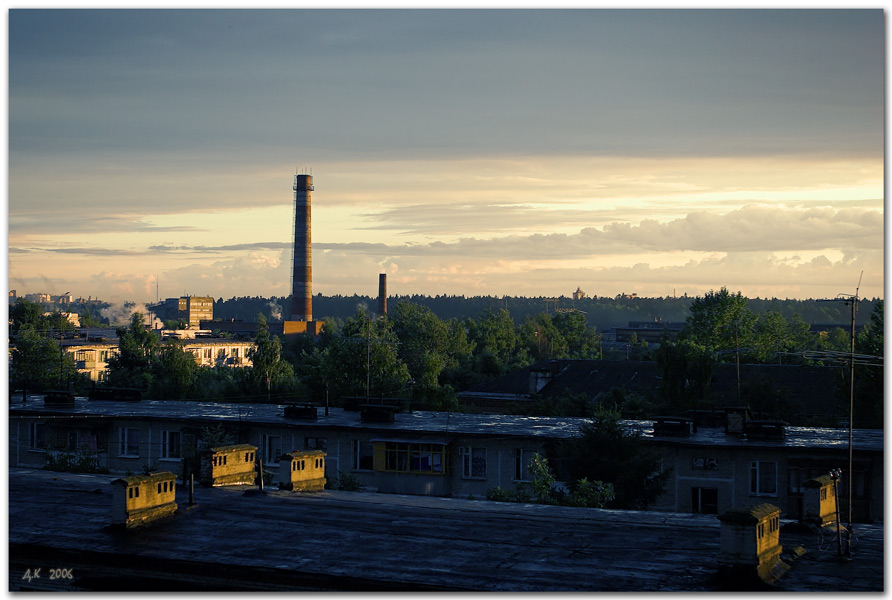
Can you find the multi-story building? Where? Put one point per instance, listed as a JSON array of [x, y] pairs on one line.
[[190, 309], [91, 356], [451, 454]]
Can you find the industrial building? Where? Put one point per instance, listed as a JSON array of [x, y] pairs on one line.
[[191, 310]]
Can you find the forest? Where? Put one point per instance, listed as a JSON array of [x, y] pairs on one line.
[[602, 313]]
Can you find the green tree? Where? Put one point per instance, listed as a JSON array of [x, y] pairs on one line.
[[771, 336], [89, 319], [24, 312], [541, 338], [869, 378], [423, 342], [607, 452], [686, 370], [268, 370], [582, 341], [37, 363], [543, 480], [364, 360], [495, 341], [132, 365], [174, 371], [720, 322]]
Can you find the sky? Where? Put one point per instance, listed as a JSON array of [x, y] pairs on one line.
[[152, 153]]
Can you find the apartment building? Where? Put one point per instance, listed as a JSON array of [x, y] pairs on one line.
[[91, 357], [448, 454]]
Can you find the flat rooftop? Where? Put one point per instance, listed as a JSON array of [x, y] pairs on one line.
[[357, 541], [434, 423]]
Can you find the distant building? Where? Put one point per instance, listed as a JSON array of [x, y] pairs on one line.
[[579, 294], [189, 309], [72, 318], [648, 331], [91, 355]]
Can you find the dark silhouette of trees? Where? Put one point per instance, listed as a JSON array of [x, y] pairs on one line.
[[609, 452]]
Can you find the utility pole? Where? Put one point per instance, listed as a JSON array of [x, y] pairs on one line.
[[850, 300]]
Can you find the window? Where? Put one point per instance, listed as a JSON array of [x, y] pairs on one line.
[[763, 478], [128, 439], [362, 456], [519, 467], [416, 458], [249, 457], [272, 449], [36, 436], [705, 500], [473, 462], [314, 443], [235, 352], [170, 444], [794, 475]]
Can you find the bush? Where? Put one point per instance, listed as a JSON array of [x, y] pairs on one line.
[[347, 482], [590, 494], [74, 462]]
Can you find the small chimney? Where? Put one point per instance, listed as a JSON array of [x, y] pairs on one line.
[[382, 294]]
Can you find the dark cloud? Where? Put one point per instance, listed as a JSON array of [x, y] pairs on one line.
[[220, 249], [446, 83]]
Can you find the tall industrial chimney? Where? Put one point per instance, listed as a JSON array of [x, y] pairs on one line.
[[302, 275], [382, 294]]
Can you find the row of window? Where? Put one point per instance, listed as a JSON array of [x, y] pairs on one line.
[[408, 457], [773, 525], [301, 465], [422, 458]]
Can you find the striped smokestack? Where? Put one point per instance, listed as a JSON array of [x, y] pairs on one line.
[[302, 276], [382, 294]]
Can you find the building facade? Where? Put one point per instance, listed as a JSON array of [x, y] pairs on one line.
[[91, 358], [446, 454]]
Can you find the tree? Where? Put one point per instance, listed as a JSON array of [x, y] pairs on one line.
[[268, 367], [89, 319], [132, 366], [423, 342], [24, 312], [541, 338], [582, 341], [174, 370], [720, 322], [686, 372], [607, 452], [495, 341], [37, 363], [869, 377], [363, 360]]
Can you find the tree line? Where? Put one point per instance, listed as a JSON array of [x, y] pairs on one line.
[[414, 355]]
